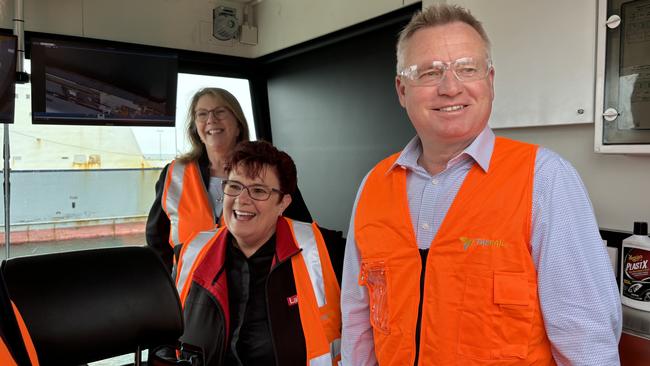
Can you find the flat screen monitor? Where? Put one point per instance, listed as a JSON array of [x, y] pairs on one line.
[[92, 83], [8, 44]]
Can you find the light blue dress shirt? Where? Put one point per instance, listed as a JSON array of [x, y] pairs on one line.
[[577, 288]]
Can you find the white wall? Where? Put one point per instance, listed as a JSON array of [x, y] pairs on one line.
[[187, 24], [283, 23], [182, 24], [523, 32], [619, 185]]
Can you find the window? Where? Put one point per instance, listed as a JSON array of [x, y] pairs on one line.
[[81, 187]]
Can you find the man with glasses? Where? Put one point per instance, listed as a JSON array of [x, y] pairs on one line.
[[466, 248]]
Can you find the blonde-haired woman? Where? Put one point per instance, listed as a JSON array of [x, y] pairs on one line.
[[189, 197]]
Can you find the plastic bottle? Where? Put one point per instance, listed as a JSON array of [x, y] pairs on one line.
[[635, 268]]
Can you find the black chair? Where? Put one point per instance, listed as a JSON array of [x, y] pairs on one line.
[[10, 331], [89, 305]]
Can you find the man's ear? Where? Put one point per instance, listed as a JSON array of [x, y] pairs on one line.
[[491, 78], [400, 87]]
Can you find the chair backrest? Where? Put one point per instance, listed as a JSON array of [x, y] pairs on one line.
[[10, 331], [89, 305]]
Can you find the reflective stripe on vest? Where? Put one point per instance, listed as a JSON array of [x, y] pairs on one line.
[[481, 305], [186, 202], [306, 240], [335, 349], [173, 197], [318, 298], [324, 360], [190, 256]]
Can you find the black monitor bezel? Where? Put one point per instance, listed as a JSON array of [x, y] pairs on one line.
[[113, 48]]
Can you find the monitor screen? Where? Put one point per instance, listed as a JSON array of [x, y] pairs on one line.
[[8, 44], [91, 83]]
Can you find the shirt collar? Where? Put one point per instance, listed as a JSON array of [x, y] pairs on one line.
[[263, 253], [480, 150]]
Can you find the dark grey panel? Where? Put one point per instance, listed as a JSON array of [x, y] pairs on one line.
[[335, 110]]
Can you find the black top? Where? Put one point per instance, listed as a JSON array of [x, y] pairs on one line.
[[158, 225], [250, 339]]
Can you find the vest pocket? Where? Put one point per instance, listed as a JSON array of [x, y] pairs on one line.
[[496, 317], [373, 276]]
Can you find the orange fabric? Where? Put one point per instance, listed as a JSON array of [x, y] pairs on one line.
[[194, 208], [5, 355], [321, 326], [315, 339], [27, 339], [331, 312], [195, 264], [481, 305]]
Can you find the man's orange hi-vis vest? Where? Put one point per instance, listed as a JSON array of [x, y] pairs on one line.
[[186, 202], [480, 305]]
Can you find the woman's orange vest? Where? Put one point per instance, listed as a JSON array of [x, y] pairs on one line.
[[316, 285], [481, 305], [186, 202]]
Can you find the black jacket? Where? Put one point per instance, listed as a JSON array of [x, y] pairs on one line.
[[158, 225], [207, 312]]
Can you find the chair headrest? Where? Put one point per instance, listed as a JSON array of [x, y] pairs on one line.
[[89, 305]]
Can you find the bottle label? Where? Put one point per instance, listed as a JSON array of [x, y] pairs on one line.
[[636, 274]]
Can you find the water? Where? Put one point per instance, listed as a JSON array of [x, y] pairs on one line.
[[44, 247]]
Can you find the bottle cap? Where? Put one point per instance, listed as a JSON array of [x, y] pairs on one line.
[[640, 228]]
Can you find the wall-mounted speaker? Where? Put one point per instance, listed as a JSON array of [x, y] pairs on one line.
[[225, 25]]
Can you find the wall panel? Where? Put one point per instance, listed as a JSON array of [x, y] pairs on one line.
[[335, 111]]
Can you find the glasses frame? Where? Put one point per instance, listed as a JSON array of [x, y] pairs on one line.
[[247, 188], [218, 113], [411, 72]]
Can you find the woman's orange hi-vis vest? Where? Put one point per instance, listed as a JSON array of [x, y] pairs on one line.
[[316, 285], [186, 202], [481, 305]]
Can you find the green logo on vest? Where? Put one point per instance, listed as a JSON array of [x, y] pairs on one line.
[[468, 242]]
